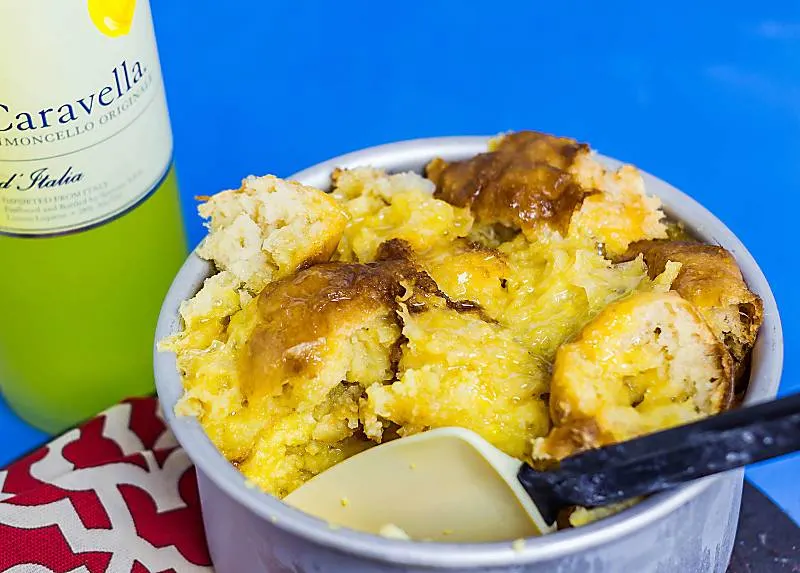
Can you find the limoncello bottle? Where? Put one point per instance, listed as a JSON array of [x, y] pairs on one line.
[[90, 227]]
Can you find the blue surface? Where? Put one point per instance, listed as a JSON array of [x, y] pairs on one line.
[[704, 95]]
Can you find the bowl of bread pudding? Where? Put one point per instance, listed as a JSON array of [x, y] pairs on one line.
[[548, 298]]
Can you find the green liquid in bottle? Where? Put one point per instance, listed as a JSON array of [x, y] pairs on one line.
[[79, 311]]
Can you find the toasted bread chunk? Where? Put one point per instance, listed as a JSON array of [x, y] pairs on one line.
[[530, 180], [522, 182], [304, 326], [620, 213], [268, 228], [643, 364], [279, 395], [711, 280], [259, 233]]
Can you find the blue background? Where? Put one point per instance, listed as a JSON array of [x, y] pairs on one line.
[[705, 95]]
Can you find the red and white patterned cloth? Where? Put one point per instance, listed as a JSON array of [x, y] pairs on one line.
[[116, 495]]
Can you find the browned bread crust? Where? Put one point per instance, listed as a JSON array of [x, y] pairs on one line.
[[711, 280], [524, 181]]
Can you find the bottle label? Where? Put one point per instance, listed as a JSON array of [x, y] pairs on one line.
[[84, 129]]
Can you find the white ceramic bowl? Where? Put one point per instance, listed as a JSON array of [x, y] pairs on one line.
[[688, 530]]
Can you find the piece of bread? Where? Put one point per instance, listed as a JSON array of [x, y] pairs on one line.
[[620, 213], [298, 358], [557, 285], [268, 228], [529, 181], [328, 323], [643, 364], [259, 233], [382, 207], [457, 369], [711, 280], [520, 183], [205, 314]]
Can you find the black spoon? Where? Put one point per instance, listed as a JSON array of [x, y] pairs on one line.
[[666, 459]]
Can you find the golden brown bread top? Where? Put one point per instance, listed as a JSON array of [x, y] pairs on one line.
[[645, 363], [296, 316], [524, 181], [559, 152], [702, 265], [711, 280]]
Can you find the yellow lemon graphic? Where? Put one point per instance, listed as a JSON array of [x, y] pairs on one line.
[[112, 17]]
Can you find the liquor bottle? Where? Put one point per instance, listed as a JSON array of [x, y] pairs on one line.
[[90, 227]]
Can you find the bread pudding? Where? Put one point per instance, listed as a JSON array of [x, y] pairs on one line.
[[528, 294]]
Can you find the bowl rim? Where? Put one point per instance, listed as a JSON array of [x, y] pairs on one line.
[[767, 364]]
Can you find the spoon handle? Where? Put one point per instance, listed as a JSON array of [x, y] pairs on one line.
[[668, 458]]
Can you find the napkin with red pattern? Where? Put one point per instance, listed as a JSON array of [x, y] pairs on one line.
[[116, 495]]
